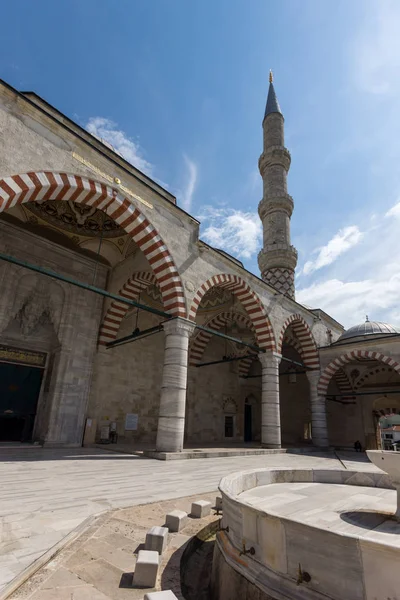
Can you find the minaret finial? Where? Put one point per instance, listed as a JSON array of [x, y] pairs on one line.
[[271, 76], [366, 319]]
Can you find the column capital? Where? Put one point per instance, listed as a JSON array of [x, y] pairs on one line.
[[179, 326], [313, 376], [269, 359]]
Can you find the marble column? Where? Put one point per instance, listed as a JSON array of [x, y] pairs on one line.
[[171, 418], [319, 429], [270, 409]]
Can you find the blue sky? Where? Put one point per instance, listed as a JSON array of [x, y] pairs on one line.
[[179, 88]]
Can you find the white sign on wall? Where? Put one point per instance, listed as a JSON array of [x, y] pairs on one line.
[[131, 421]]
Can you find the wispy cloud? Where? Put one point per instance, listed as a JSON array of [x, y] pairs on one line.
[[348, 302], [376, 47], [108, 131], [369, 280], [238, 233], [185, 196], [394, 211], [346, 238]]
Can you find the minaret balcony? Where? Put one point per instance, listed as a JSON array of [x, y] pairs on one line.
[[277, 255], [271, 204], [274, 155]]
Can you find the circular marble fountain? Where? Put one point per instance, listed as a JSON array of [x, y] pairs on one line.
[[307, 534]]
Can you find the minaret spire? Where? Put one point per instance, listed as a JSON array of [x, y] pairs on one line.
[[277, 259]]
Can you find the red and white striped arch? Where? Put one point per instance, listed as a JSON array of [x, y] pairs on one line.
[[117, 310], [249, 300], [308, 347], [344, 384], [47, 185], [338, 363], [201, 340]]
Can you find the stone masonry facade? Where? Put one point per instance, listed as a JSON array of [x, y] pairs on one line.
[[45, 157]]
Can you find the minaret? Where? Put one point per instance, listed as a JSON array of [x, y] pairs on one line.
[[277, 259]]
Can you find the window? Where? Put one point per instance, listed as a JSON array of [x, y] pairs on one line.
[[228, 426]]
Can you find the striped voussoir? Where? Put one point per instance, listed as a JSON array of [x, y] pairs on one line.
[[344, 384], [249, 300], [300, 328], [202, 338], [292, 341], [338, 363], [46, 185], [117, 310]]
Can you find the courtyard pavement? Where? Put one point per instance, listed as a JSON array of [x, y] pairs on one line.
[[45, 494]]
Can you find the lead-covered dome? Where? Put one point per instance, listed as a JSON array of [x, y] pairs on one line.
[[369, 328]]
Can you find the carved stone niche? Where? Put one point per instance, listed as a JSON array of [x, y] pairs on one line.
[[36, 309]]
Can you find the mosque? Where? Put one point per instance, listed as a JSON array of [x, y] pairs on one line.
[[117, 319]]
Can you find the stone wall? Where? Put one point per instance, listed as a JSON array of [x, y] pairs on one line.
[[42, 314], [127, 379]]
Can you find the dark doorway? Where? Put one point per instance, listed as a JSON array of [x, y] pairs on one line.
[[19, 394], [247, 423]]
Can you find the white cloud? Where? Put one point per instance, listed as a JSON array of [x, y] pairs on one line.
[[366, 284], [394, 211], [349, 302], [238, 233], [346, 238], [185, 196], [108, 131], [376, 47]]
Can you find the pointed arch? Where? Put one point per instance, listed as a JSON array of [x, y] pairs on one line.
[[116, 312], [338, 363], [48, 185], [249, 300], [309, 351], [216, 322]]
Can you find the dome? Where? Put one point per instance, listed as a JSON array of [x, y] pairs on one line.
[[369, 328]]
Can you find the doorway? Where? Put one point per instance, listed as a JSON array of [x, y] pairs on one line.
[[19, 394], [248, 434]]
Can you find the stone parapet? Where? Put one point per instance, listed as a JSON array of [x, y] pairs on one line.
[[270, 204], [277, 255], [274, 155]]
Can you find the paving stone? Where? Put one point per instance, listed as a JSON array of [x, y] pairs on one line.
[[200, 509], [146, 569], [86, 487], [176, 520], [157, 539], [164, 595]]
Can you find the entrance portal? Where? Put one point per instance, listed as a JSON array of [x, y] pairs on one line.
[[248, 434], [19, 394]]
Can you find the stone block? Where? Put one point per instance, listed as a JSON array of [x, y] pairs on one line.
[[146, 569], [164, 595], [176, 520], [218, 503], [200, 509], [156, 539]]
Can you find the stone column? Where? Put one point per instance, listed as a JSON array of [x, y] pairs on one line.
[[171, 419], [319, 429], [270, 409]]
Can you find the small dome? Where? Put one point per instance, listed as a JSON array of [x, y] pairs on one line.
[[368, 328]]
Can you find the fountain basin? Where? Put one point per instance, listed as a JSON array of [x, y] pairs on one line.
[[388, 461], [314, 533]]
